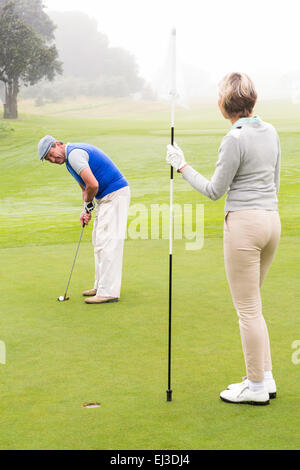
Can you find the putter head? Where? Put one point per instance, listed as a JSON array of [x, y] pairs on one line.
[[62, 298]]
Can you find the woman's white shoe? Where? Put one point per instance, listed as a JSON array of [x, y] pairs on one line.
[[270, 386], [244, 395]]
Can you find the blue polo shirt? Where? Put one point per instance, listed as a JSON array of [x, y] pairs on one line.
[[107, 174]]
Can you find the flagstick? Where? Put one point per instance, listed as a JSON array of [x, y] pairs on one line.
[[173, 93]]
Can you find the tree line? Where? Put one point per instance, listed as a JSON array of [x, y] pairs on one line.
[[36, 48]]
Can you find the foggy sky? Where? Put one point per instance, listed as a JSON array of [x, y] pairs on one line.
[[214, 37]]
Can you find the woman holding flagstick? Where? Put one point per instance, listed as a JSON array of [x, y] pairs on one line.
[[248, 169]]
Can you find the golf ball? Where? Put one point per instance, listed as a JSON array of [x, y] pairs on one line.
[[61, 298]]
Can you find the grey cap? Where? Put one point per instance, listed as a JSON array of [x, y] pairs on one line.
[[44, 145]]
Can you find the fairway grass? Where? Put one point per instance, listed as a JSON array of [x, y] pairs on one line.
[[60, 356], [63, 355]]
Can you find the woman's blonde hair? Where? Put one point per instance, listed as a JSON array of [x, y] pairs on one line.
[[238, 94]]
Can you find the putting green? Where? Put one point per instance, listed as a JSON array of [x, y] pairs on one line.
[[60, 356]]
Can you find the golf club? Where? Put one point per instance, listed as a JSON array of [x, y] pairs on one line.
[[63, 298]]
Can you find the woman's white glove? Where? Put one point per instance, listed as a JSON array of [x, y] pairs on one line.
[[175, 156]]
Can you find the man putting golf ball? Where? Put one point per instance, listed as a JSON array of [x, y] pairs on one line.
[[99, 179]]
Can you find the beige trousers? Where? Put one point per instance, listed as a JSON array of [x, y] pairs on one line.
[[251, 238], [108, 239]]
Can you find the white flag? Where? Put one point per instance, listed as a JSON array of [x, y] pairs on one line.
[[169, 83]]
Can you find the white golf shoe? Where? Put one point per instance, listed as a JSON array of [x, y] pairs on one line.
[[270, 386], [244, 395]]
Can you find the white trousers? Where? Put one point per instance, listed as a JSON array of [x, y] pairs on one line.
[[108, 240]]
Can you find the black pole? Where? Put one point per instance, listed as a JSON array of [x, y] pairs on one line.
[[169, 391]]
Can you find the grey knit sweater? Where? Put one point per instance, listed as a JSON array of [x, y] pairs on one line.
[[248, 168]]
